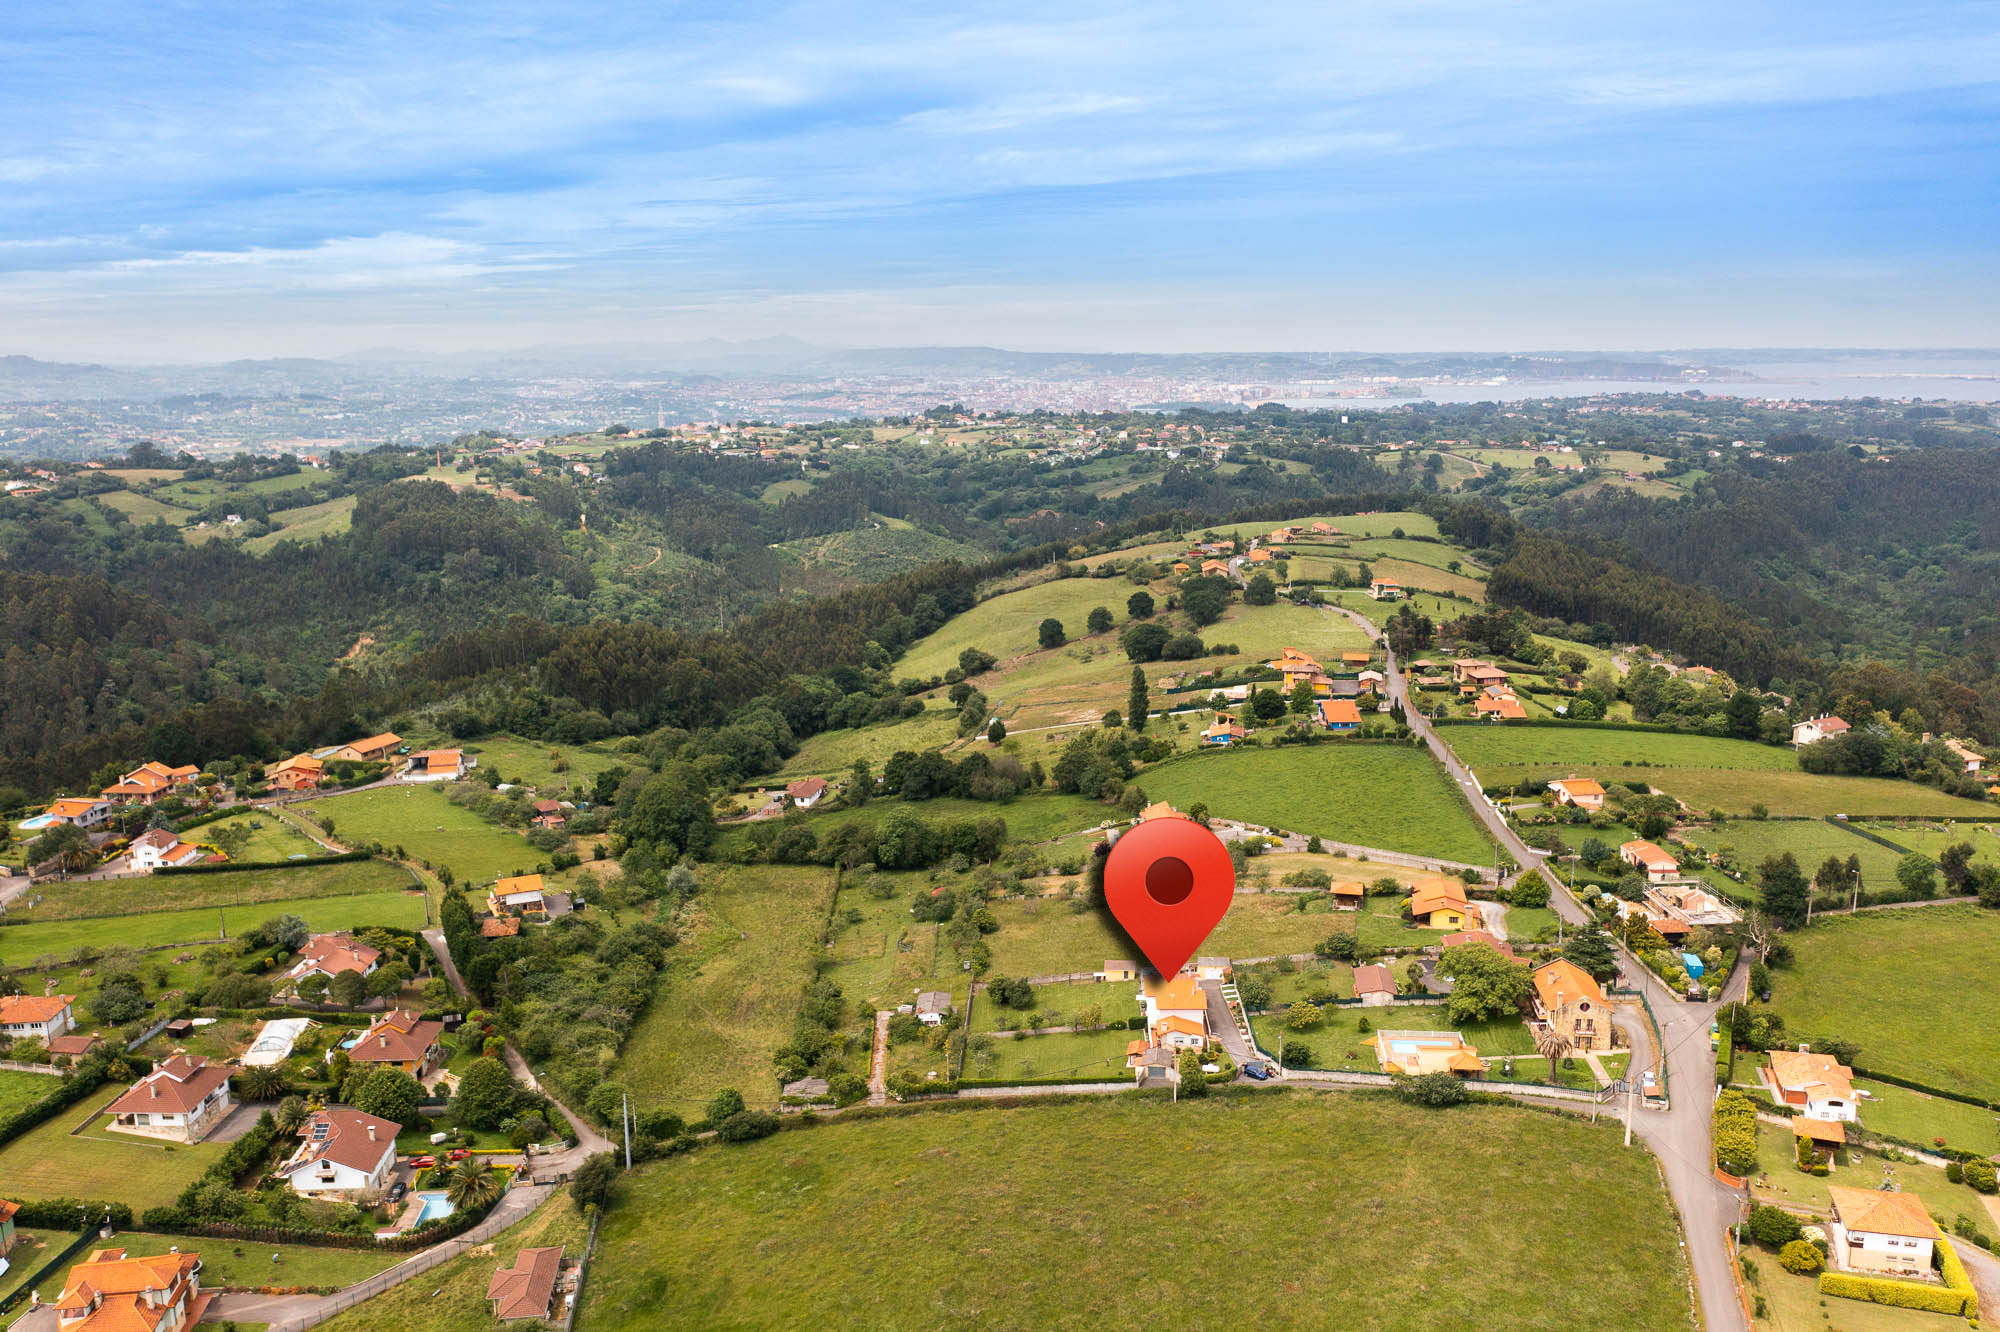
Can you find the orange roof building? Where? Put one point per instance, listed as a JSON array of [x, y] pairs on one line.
[[108, 1292], [1339, 714], [39, 1017], [528, 1288], [1819, 1085]]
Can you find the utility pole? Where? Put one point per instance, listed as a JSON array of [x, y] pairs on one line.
[[625, 1122], [1631, 1096]]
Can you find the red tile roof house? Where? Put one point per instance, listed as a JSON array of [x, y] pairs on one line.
[[108, 1292], [183, 1099], [436, 765], [528, 1288], [159, 849], [1374, 986], [806, 793], [1816, 729], [344, 1154], [400, 1040], [146, 783], [36, 1017], [330, 954], [549, 814]]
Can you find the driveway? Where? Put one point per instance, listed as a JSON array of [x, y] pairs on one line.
[[240, 1121]]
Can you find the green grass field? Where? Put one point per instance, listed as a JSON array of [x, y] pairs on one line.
[[1906, 987], [1087, 1056], [48, 1162], [270, 837], [1392, 796], [1338, 1043], [883, 958], [1006, 625], [308, 522], [20, 944], [1548, 746], [1916, 1117], [1811, 841], [1794, 1304], [1053, 1215], [247, 1263], [428, 827], [180, 893], [732, 988], [874, 553], [1062, 1003], [1932, 838], [31, 1249], [832, 753], [144, 509], [1854, 1169], [1050, 937], [22, 1089], [535, 762], [1035, 818], [452, 1296]]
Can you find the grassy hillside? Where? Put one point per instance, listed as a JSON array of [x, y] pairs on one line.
[[422, 821], [1483, 746], [1235, 1211], [1392, 796], [125, 897], [1907, 986]]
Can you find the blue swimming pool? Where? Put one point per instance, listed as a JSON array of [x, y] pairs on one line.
[[39, 821], [435, 1205]]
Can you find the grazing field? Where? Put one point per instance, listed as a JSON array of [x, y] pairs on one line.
[[1553, 746], [873, 553], [238, 1263], [1050, 1215], [731, 990], [308, 522], [1034, 818], [1006, 625], [62, 938], [1087, 1056], [1906, 987], [48, 1162], [428, 827], [179, 893], [452, 1296], [1392, 796], [832, 753], [22, 1089]]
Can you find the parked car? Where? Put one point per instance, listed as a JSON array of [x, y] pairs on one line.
[[457, 1154], [1257, 1072], [397, 1190], [1649, 1086], [422, 1162]]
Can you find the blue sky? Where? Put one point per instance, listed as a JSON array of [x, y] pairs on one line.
[[184, 181]]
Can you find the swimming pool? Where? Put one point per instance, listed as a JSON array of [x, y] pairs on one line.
[[39, 821], [1412, 1047], [435, 1205]]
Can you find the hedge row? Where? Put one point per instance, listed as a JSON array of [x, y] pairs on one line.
[[1846, 826], [66, 1213], [1735, 1118], [1957, 1296], [238, 866], [225, 811]]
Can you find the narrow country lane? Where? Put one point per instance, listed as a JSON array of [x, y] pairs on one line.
[[1679, 1135]]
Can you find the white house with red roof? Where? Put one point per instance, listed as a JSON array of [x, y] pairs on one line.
[[36, 1017], [343, 1154], [1816, 729], [157, 848], [330, 954], [806, 792], [436, 765], [83, 811], [183, 1099]]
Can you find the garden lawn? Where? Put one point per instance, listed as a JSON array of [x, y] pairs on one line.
[[428, 827], [832, 753], [1052, 938], [884, 958], [31, 1249], [1061, 1003], [182, 892], [47, 1162], [247, 1263], [1049, 1215], [731, 990], [1914, 1116], [23, 1089], [452, 1296], [20, 944], [1794, 1304], [1382, 795], [1910, 987], [1781, 1183], [1932, 838], [1339, 1043]]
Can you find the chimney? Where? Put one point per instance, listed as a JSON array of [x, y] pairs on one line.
[[371, 1133]]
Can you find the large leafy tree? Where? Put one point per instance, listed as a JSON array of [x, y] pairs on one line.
[[673, 812], [1485, 983], [1782, 886]]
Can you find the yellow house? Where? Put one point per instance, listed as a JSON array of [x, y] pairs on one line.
[[1441, 905]]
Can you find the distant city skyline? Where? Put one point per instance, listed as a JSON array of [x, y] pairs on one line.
[[245, 181]]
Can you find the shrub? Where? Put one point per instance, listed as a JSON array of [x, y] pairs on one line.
[[1735, 1120], [747, 1126], [1801, 1258], [1434, 1090], [1956, 1296], [1980, 1175], [1773, 1227], [1954, 1171]]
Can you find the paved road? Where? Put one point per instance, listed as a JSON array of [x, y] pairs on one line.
[[1678, 1136]]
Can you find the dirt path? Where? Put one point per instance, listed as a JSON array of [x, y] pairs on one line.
[[878, 1062]]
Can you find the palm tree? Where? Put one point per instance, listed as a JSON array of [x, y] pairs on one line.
[[291, 1114], [1551, 1045], [473, 1185], [262, 1082]]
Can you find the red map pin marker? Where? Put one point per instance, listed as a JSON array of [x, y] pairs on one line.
[[1169, 882]]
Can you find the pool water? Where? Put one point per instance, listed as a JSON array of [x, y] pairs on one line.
[[435, 1206], [39, 821]]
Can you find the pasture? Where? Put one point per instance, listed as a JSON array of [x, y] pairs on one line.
[[1905, 986], [1481, 747], [1391, 796], [832, 753], [731, 990], [546, 765], [178, 893], [20, 944], [308, 522], [1030, 1192]]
